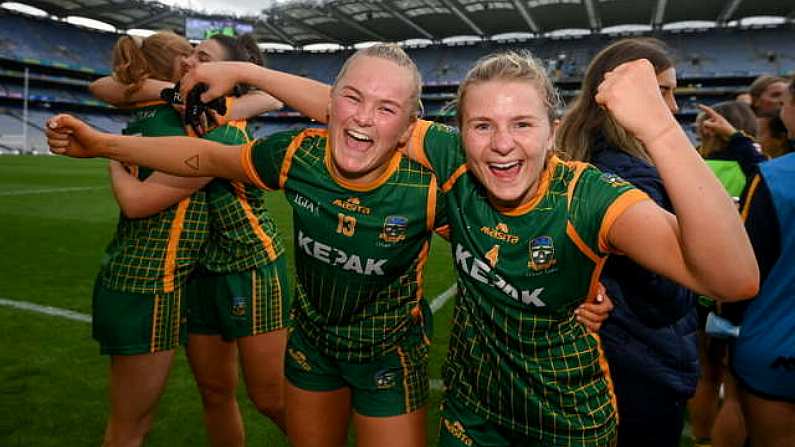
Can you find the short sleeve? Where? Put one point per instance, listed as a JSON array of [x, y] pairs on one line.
[[262, 159], [598, 199], [438, 147]]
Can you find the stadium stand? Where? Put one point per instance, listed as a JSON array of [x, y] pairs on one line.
[[714, 64]]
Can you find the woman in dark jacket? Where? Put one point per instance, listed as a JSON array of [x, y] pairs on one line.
[[650, 338]]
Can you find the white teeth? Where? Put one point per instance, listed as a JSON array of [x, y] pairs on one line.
[[359, 136], [507, 165]]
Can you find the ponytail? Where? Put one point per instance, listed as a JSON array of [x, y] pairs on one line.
[[129, 64], [135, 59]]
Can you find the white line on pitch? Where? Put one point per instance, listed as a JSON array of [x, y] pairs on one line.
[[25, 192], [442, 299], [436, 304], [48, 310]]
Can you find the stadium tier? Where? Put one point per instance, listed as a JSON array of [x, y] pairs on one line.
[[712, 64]]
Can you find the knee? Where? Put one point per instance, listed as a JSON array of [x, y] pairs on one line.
[[269, 400], [216, 392]]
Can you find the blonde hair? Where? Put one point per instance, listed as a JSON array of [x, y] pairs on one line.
[[586, 120], [510, 66], [136, 60], [393, 53]]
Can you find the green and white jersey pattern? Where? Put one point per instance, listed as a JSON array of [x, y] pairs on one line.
[[157, 253], [359, 249], [517, 355]]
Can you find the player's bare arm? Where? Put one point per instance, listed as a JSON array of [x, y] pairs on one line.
[[182, 156], [692, 247]]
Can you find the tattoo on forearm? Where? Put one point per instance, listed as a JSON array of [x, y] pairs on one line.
[[193, 162]]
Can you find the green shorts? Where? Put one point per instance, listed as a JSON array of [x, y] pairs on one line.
[[127, 323], [239, 304], [462, 427], [393, 384]]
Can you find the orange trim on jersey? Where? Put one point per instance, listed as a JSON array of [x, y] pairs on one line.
[[749, 197], [448, 185], [248, 166], [293, 147], [391, 167], [155, 323], [605, 367], [593, 288], [579, 168], [616, 209], [444, 232], [173, 245], [142, 104], [581, 245], [405, 367], [267, 242], [255, 315], [241, 126], [228, 115], [415, 147], [430, 214], [541, 190]]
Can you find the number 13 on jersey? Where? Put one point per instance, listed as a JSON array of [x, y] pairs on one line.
[[346, 225]]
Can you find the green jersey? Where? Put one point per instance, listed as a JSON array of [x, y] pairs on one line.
[[359, 249], [517, 355], [243, 235], [157, 253]]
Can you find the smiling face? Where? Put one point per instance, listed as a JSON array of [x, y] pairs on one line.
[[507, 135], [370, 115]]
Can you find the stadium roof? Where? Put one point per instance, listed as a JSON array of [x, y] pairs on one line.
[[347, 22]]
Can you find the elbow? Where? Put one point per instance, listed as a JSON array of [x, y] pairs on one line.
[[740, 287], [131, 211]]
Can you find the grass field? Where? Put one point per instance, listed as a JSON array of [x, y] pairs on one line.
[[56, 216]]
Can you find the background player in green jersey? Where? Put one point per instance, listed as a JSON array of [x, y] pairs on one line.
[[545, 382], [137, 305], [238, 300], [355, 247]]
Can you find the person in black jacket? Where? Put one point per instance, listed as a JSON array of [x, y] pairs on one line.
[[650, 338]]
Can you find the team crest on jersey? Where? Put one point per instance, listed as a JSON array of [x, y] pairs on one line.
[[300, 359], [385, 379], [238, 306], [614, 180], [394, 229], [542, 253]]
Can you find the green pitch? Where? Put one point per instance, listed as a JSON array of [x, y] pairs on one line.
[[56, 216]]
